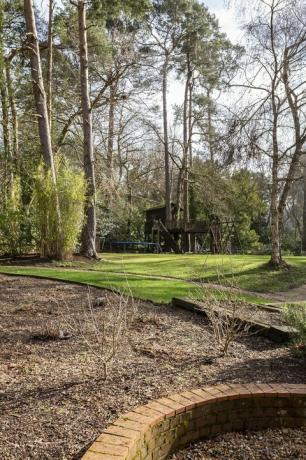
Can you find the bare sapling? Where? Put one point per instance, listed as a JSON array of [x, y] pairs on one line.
[[226, 318], [228, 314], [103, 327]]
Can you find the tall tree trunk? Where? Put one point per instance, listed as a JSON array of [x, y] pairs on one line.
[[4, 97], [14, 117], [304, 206], [191, 212], [111, 112], [129, 205], [110, 150], [190, 133], [179, 193], [88, 243], [6, 127], [166, 139], [186, 153], [275, 233], [50, 63], [38, 88], [42, 115], [210, 128], [276, 257], [111, 130]]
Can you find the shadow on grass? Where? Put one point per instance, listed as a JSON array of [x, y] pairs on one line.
[[260, 279], [23, 261]]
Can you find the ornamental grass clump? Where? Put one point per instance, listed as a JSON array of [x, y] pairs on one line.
[[295, 316], [58, 210]]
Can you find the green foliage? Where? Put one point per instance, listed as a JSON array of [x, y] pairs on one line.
[[296, 317], [57, 232], [236, 196], [125, 222], [247, 205], [112, 9], [200, 39], [11, 222]]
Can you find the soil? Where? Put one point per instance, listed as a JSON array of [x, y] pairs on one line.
[[280, 444], [53, 400]]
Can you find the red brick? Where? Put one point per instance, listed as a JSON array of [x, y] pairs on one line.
[[161, 408], [110, 449], [110, 438], [192, 396], [122, 432], [242, 391], [96, 456], [255, 390], [181, 418], [188, 403], [212, 390], [266, 389], [137, 418], [150, 412], [223, 388], [171, 404], [206, 397], [131, 425]]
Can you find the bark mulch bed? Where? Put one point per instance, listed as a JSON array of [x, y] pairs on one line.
[[53, 402], [272, 444]]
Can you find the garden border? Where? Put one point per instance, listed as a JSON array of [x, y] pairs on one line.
[[278, 334], [154, 431]]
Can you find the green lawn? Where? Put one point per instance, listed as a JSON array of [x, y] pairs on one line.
[[160, 291], [244, 271], [156, 290], [119, 271]]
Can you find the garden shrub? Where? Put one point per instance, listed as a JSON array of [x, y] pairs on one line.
[[295, 316], [57, 232]]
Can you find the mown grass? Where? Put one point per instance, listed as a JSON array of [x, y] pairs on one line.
[[118, 271], [156, 290], [245, 271]]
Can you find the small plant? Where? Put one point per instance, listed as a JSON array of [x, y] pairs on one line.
[[104, 331], [227, 324], [295, 316], [51, 331], [227, 313], [150, 319]]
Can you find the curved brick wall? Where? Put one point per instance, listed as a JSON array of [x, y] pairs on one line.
[[153, 431]]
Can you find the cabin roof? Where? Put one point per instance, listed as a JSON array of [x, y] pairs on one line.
[[158, 207]]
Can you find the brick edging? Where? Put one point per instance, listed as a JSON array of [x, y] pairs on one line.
[[153, 431]]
